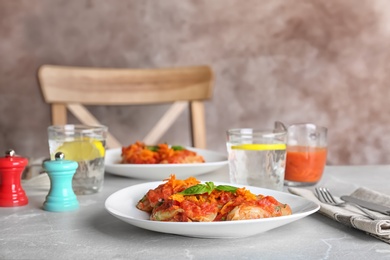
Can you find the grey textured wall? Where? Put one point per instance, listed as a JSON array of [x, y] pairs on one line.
[[321, 61]]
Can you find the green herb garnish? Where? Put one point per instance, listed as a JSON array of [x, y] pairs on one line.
[[207, 187], [152, 148], [177, 147], [226, 188]]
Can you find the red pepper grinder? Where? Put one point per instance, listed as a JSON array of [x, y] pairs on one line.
[[11, 169]]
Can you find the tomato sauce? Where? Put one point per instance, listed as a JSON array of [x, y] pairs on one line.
[[305, 164]]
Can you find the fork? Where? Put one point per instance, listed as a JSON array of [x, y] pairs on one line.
[[324, 195]]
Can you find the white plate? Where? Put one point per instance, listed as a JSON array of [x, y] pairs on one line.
[[122, 204], [159, 172]]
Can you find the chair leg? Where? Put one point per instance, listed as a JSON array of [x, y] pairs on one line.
[[198, 124], [58, 114]]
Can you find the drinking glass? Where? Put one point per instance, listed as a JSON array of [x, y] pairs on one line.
[[306, 154], [257, 157], [85, 145]]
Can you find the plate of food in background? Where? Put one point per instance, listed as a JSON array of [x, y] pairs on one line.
[[157, 162]]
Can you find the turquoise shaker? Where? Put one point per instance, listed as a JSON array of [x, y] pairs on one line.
[[61, 196]]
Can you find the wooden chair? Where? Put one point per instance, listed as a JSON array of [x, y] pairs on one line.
[[73, 87]]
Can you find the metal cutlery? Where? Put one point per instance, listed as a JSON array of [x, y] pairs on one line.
[[367, 204], [324, 195]]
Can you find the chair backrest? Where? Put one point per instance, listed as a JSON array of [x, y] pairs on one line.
[[73, 87]]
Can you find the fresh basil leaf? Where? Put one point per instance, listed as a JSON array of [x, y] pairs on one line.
[[226, 188], [207, 187], [177, 147], [152, 148], [197, 189], [210, 185]]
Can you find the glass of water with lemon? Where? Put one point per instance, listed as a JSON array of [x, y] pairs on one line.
[[85, 145], [257, 157]]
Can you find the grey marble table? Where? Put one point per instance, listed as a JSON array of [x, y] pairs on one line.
[[29, 232]]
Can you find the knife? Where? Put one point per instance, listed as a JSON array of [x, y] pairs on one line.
[[368, 205]]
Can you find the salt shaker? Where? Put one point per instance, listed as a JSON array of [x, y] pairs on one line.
[[61, 196], [11, 169]]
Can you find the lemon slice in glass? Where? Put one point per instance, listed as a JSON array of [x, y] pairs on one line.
[[259, 147], [82, 150]]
